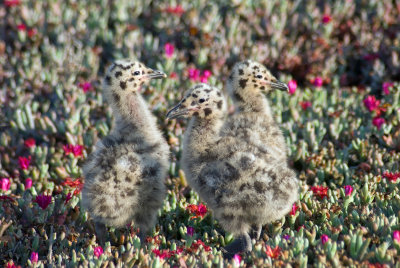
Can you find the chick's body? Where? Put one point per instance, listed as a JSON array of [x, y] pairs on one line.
[[125, 174]]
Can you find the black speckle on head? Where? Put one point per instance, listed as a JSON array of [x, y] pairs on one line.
[[262, 87], [272, 175], [183, 106], [219, 104], [131, 192], [131, 79], [207, 111], [128, 179], [245, 162], [116, 98], [108, 80], [208, 90], [243, 83], [195, 113], [231, 173], [194, 95], [117, 74], [198, 86], [149, 72], [134, 84], [260, 187], [193, 103], [254, 81], [230, 76], [247, 63], [244, 186], [219, 94], [139, 182], [238, 96], [150, 171], [122, 84], [241, 71]]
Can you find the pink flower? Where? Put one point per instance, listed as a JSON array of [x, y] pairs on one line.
[[169, 50], [348, 189], [207, 73], [194, 74], [85, 86], [11, 3], [317, 81], [28, 183], [29, 142], [324, 239], [305, 104], [378, 122], [203, 79], [11, 265], [294, 209], [237, 259], [67, 198], [371, 103], [326, 19], [32, 32], [34, 257], [173, 75], [190, 231], [320, 191], [76, 150], [21, 27], [43, 200], [396, 236], [178, 10], [98, 251], [386, 86], [199, 210], [273, 253], [286, 237], [5, 184], [24, 162], [292, 86]]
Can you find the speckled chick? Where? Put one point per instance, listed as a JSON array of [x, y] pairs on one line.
[[125, 174]]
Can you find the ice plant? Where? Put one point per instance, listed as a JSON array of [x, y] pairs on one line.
[[34, 257], [194, 74], [292, 86], [317, 81], [324, 239], [320, 191], [386, 86], [5, 184], [326, 18], [67, 198], [396, 236], [43, 200], [348, 189], [98, 251], [294, 209], [29, 143], [199, 243], [177, 10], [378, 121], [21, 27], [32, 32], [85, 86], [392, 177], [237, 259], [169, 50], [28, 183], [305, 104], [199, 210], [24, 162], [273, 253], [371, 103]]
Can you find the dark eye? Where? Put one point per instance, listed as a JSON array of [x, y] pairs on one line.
[[259, 76], [136, 73], [202, 100]]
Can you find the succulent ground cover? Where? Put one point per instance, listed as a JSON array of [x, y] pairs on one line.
[[340, 119]]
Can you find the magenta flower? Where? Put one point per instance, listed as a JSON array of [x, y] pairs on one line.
[[305, 104], [11, 3], [169, 50], [324, 239], [326, 19], [294, 209], [34, 257], [348, 189], [194, 74], [396, 236], [286, 237], [21, 27], [67, 198], [5, 184], [43, 200], [378, 122], [29, 142], [207, 73], [190, 231], [292, 86], [237, 259], [371, 103], [24, 162], [203, 79], [98, 251], [85, 86], [386, 86], [178, 10], [317, 81], [28, 183], [76, 150], [32, 32]]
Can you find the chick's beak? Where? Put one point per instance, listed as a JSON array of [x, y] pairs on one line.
[[176, 112], [279, 85], [154, 74]]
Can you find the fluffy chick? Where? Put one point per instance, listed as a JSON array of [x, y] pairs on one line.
[[125, 174]]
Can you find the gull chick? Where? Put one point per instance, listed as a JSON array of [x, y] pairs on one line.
[[125, 174]]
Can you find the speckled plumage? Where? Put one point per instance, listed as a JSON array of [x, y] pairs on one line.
[[125, 174]]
